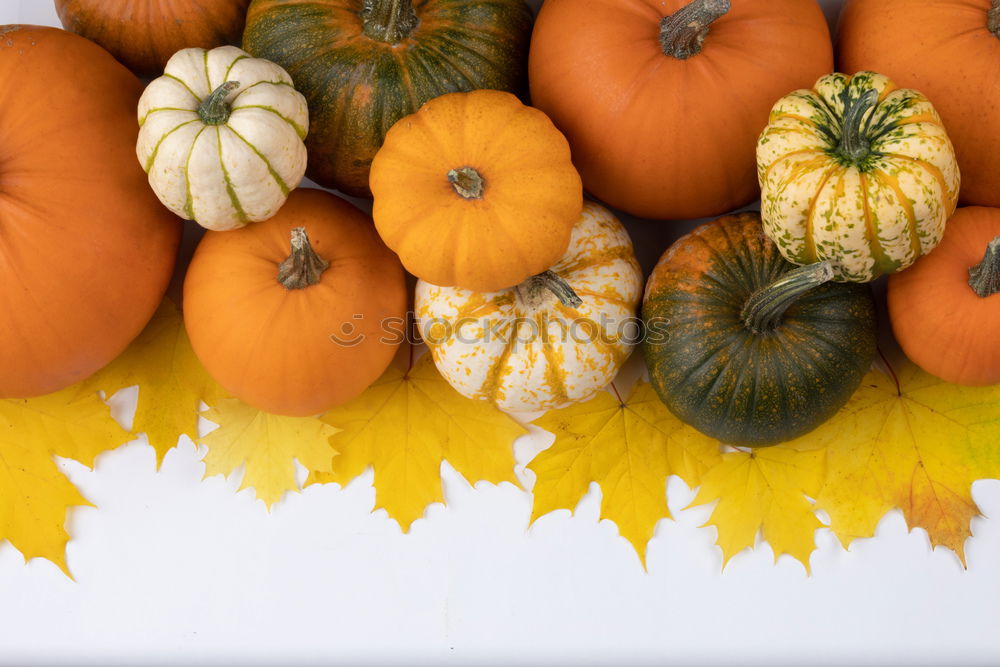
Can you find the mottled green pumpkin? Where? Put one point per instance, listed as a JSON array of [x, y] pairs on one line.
[[747, 347], [364, 64]]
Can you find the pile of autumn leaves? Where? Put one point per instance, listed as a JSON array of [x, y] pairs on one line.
[[905, 440]]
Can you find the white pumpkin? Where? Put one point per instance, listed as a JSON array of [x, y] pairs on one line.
[[557, 338], [221, 137]]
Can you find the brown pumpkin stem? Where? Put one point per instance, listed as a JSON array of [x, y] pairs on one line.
[[993, 18], [854, 147], [214, 109], [532, 288], [764, 309], [303, 267], [984, 278], [467, 182], [683, 32], [389, 21]]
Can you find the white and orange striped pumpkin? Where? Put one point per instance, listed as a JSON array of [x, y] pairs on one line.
[[557, 338], [856, 171]]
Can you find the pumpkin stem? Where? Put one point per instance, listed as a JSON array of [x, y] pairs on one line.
[[467, 182], [984, 278], [683, 32], [214, 109], [303, 267], [853, 146], [549, 280], [993, 18], [764, 309], [389, 21]]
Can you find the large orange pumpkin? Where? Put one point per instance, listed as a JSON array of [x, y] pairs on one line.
[[86, 250], [945, 309], [299, 313], [948, 50], [662, 101], [143, 34]]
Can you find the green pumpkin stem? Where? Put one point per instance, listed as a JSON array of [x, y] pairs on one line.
[[468, 182], [984, 278], [993, 18], [764, 309], [532, 288], [304, 267], [683, 32], [214, 109], [389, 21], [853, 145]]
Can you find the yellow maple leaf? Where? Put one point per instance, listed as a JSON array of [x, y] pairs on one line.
[[629, 448], [404, 425], [34, 495], [172, 382], [266, 445]]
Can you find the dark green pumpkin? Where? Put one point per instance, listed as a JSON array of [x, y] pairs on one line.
[[363, 65], [744, 364]]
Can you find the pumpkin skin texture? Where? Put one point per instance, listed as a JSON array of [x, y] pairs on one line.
[[143, 34], [522, 348], [941, 323], [857, 171], [654, 134], [947, 50], [461, 207], [363, 65], [275, 347], [726, 380], [221, 137], [86, 251]]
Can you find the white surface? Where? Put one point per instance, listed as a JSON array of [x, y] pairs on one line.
[[171, 567]]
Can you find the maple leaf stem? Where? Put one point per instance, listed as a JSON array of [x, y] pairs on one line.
[[984, 278], [304, 267], [892, 371], [764, 309]]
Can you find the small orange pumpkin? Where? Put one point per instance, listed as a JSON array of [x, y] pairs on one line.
[[299, 313], [476, 190], [945, 309]]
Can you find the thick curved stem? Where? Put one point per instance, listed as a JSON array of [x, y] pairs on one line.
[[683, 32], [304, 267], [214, 109], [764, 309], [389, 21], [984, 278], [532, 291], [468, 182], [993, 18], [853, 146]]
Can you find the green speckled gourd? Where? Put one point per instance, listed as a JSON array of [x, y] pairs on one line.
[[746, 347], [856, 171], [364, 64]]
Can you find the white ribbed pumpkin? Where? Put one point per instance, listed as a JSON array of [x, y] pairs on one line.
[[856, 171], [221, 137], [556, 338]]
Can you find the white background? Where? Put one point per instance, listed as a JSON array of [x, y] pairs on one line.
[[171, 567]]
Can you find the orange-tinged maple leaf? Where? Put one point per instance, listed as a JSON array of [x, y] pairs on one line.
[[172, 382], [629, 448], [34, 495], [404, 425]]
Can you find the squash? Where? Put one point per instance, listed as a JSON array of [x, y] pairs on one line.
[[557, 338], [662, 101], [945, 309], [297, 314], [143, 34], [947, 49], [476, 190], [856, 171], [87, 251], [221, 137], [363, 65], [744, 346]]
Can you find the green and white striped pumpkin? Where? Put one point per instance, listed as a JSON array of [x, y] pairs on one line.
[[856, 171], [221, 137]]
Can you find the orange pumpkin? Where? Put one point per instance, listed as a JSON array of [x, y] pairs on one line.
[[476, 190], [948, 50], [86, 250], [143, 34], [299, 313], [945, 309], [662, 101]]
